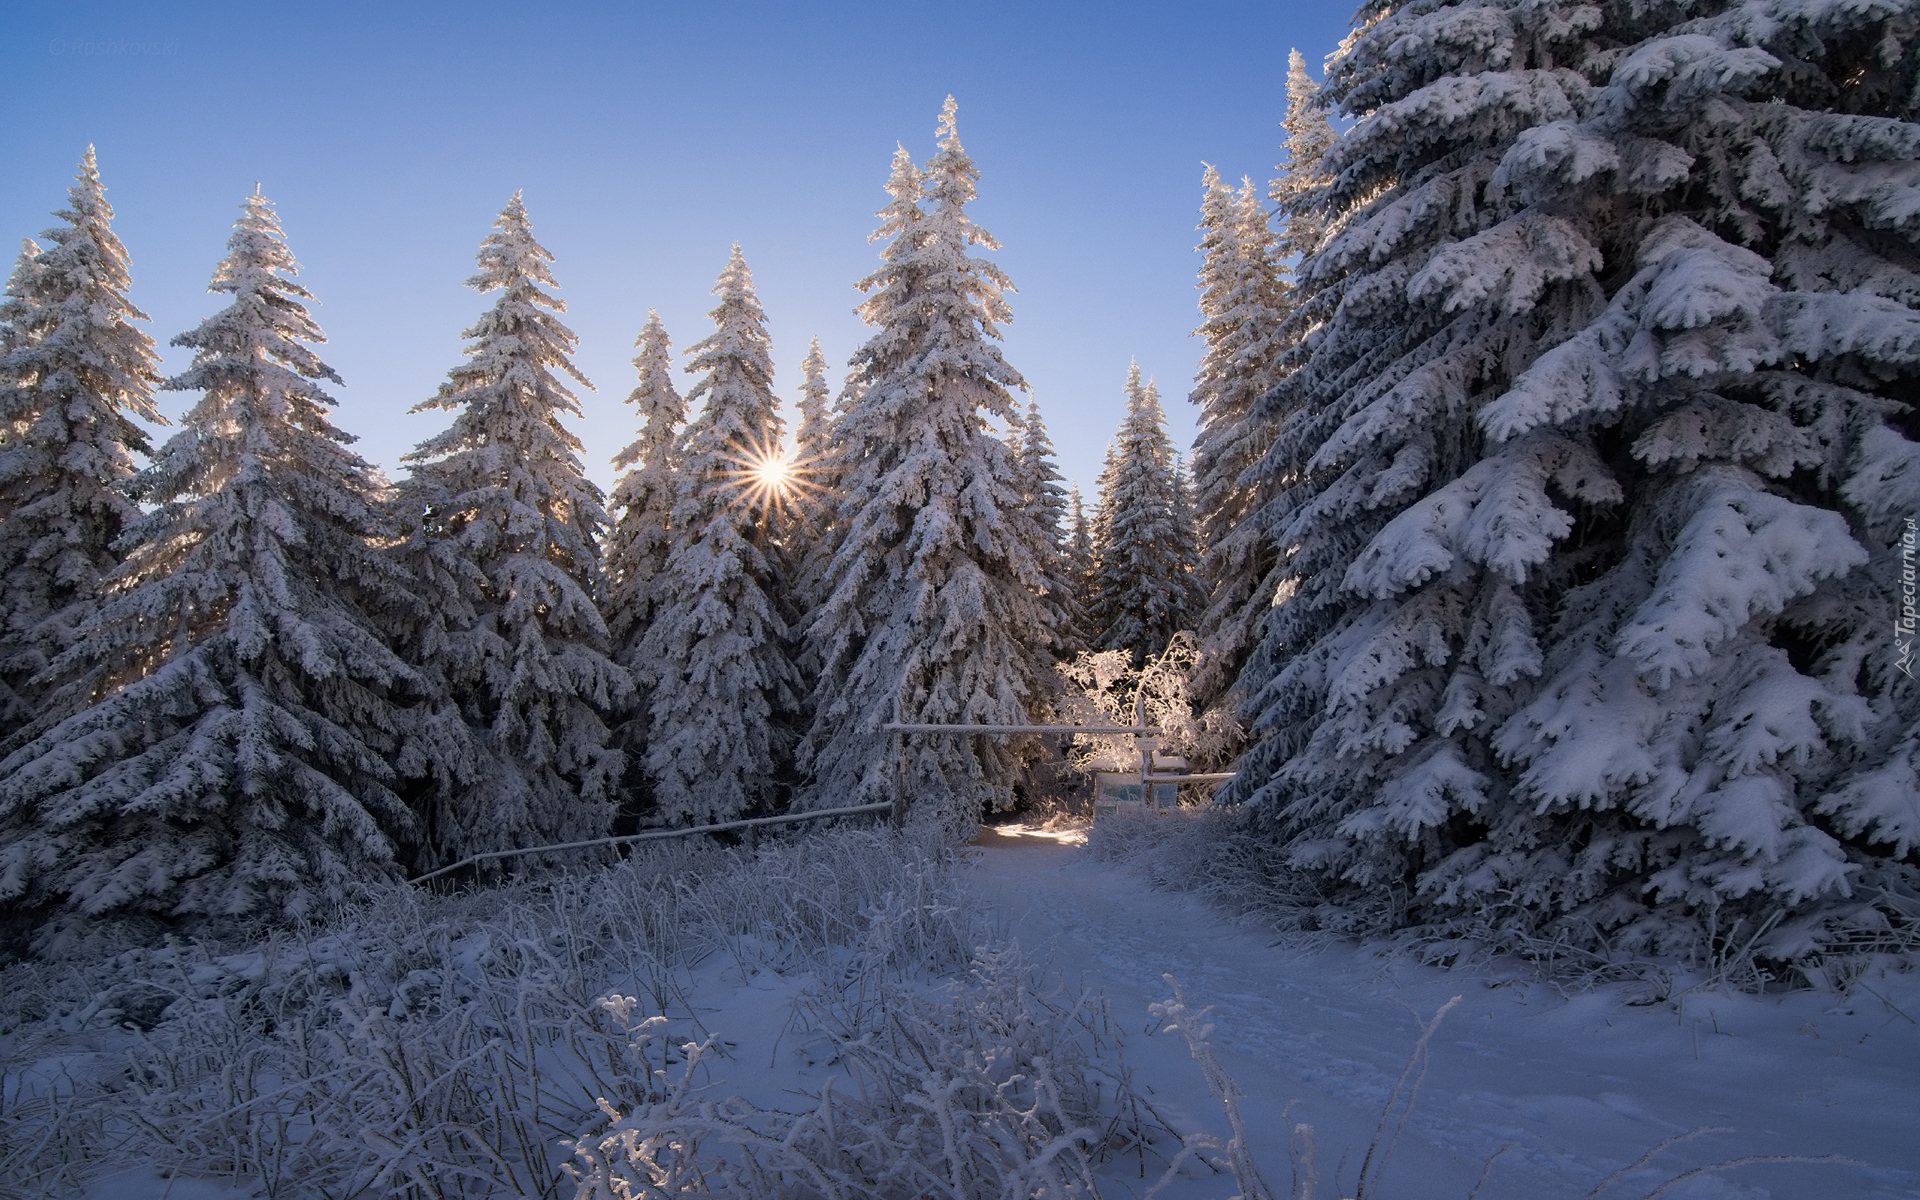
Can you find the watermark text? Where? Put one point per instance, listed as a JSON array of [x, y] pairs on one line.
[[108, 47], [1905, 621]]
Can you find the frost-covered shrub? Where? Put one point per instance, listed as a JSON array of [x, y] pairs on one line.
[[1104, 688], [448, 1045], [1002, 1086]]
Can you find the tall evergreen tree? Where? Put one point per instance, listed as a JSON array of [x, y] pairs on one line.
[[1252, 319], [1592, 473], [503, 529], [1243, 302], [643, 498], [1183, 530], [73, 369], [714, 662], [934, 610], [1046, 505], [1303, 176], [1079, 551], [234, 760], [811, 531], [1144, 591]]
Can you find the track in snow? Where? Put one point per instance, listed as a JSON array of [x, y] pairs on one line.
[[1579, 1086]]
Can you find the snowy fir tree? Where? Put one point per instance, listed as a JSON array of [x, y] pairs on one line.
[[714, 663], [1079, 550], [1143, 587], [935, 609], [1253, 321], [234, 760], [642, 503], [810, 532], [1242, 304], [73, 370], [1592, 476], [502, 534], [1046, 505], [1303, 176], [1183, 524]]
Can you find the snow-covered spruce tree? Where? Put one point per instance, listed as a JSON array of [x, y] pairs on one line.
[[714, 664], [73, 369], [1243, 302], [1144, 590], [1079, 551], [1046, 504], [643, 497], [1594, 473], [1296, 191], [1254, 323], [501, 533], [234, 760], [935, 604], [808, 539], [1183, 519]]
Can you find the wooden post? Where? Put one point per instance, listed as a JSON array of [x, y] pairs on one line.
[[1140, 744], [899, 768]]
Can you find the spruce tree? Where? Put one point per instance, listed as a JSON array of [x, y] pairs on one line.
[[714, 662], [1079, 552], [74, 369], [1592, 474], [935, 610], [1303, 176], [1143, 591], [234, 759], [1253, 321], [1183, 531], [643, 497], [1243, 303], [1046, 505], [502, 535], [810, 532]]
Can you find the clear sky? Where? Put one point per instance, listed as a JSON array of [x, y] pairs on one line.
[[647, 138]]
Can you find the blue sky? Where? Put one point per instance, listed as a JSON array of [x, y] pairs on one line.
[[647, 138]]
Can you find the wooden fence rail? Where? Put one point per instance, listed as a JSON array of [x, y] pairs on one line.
[[656, 834]]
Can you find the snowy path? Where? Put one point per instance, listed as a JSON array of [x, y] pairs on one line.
[[1582, 1086], [1579, 1087]]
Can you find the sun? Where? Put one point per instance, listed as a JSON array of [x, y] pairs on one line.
[[772, 474], [764, 477]]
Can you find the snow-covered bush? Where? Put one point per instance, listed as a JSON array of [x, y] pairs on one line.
[[1103, 688], [1003, 1086]]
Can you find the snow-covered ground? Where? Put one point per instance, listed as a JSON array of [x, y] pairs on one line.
[[1582, 1085], [1578, 1085]]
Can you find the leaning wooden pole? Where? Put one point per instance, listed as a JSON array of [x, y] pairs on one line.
[[749, 823], [897, 732]]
